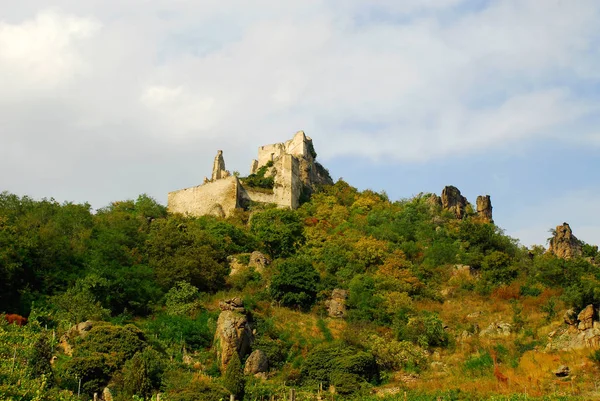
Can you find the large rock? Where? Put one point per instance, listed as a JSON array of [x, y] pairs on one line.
[[570, 317], [562, 371], [484, 208], [258, 261], [257, 362], [496, 329], [336, 306], [586, 318], [453, 201], [582, 331], [80, 330], [233, 304], [107, 394], [434, 201], [564, 244], [233, 333]]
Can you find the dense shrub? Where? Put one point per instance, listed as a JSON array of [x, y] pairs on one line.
[[143, 373], [233, 379], [333, 358], [479, 365], [396, 355], [194, 332], [425, 329], [280, 230], [296, 283], [363, 301]]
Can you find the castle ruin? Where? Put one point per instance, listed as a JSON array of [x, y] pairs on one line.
[[283, 174]]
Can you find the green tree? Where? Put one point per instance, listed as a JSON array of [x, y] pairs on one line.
[[143, 373], [234, 377], [181, 299], [179, 250], [296, 283], [280, 230]]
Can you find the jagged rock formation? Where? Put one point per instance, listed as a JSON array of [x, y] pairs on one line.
[[79, 330], [582, 331], [291, 164], [434, 201], [219, 170], [484, 208], [453, 201], [586, 318], [107, 394], [233, 333], [564, 244], [257, 362], [258, 261], [336, 306], [496, 329]]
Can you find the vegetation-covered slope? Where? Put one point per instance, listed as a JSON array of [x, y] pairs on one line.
[[436, 306]]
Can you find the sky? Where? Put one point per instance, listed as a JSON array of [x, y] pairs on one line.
[[103, 100]]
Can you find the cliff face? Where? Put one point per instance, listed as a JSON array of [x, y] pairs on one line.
[[453, 201], [564, 244], [484, 208]]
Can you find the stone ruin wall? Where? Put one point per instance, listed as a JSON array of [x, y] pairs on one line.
[[297, 146], [217, 198], [293, 170]]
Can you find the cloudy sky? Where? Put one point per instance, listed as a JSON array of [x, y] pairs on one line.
[[101, 100]]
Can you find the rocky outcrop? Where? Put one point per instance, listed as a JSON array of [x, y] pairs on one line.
[[80, 330], [570, 317], [484, 208], [258, 261], [107, 394], [454, 202], [582, 331], [234, 304], [496, 329], [563, 243], [233, 333], [562, 371], [336, 306], [434, 201], [586, 318], [219, 170], [257, 362]]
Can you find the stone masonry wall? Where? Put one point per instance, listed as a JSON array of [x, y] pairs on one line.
[[217, 198]]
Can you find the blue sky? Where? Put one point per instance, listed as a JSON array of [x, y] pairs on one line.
[[104, 100]]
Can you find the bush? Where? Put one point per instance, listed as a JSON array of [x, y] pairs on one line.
[[234, 380], [258, 179], [275, 349], [363, 301], [184, 386], [296, 283], [195, 332], [181, 299], [280, 230], [143, 373], [479, 365], [328, 359], [426, 329], [396, 355]]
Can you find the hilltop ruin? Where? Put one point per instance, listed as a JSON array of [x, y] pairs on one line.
[[283, 174]]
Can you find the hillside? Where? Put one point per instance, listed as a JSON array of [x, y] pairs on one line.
[[350, 296]]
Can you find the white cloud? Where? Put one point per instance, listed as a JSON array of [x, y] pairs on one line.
[[41, 53], [97, 87]]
